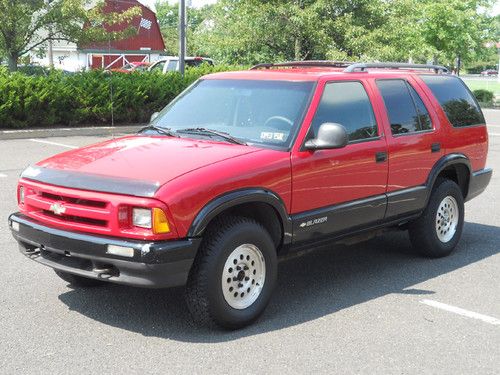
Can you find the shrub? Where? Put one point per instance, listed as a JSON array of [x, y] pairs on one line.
[[87, 98], [483, 96]]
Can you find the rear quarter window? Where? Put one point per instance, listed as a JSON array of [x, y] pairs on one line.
[[457, 101]]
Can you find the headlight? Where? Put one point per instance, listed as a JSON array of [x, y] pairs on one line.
[[141, 217], [149, 218]]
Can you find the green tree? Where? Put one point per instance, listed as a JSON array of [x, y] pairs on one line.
[[457, 28], [168, 18], [251, 31], [28, 24]]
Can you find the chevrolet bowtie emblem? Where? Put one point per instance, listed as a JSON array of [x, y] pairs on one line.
[[57, 208]]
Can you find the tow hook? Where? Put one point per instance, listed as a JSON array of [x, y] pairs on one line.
[[103, 273]]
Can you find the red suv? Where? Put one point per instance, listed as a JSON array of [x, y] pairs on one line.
[[245, 167]]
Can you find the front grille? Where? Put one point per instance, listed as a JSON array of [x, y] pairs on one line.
[[67, 210], [76, 219], [80, 201]]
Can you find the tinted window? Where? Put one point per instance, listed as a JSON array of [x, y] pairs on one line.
[[347, 103], [456, 100], [401, 102], [423, 115]]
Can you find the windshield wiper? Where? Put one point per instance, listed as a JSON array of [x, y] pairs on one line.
[[223, 135], [159, 129]]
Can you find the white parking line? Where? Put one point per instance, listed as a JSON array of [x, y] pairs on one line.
[[494, 134], [459, 311], [2, 175], [52, 143]]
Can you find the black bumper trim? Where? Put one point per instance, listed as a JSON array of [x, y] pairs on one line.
[[154, 264], [478, 182]]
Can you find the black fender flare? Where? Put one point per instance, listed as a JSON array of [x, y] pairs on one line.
[[444, 162], [237, 197]]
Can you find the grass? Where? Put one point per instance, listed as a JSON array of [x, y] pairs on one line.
[[490, 85]]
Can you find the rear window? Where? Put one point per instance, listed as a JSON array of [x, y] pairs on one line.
[[455, 99], [406, 111]]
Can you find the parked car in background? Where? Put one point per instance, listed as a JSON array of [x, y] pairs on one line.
[[489, 72], [171, 63], [139, 66]]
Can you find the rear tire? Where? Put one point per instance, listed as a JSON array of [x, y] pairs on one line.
[[233, 275], [436, 233], [78, 281]]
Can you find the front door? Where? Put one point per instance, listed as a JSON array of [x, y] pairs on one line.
[[337, 190]]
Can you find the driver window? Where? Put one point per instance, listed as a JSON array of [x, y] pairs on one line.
[[346, 103]]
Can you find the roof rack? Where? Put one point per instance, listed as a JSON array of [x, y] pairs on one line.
[[363, 66], [308, 63]]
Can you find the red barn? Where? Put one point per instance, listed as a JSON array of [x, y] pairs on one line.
[[147, 45]]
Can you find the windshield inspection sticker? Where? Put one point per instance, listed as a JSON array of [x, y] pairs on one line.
[[270, 136]]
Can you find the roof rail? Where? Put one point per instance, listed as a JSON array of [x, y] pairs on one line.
[[363, 66], [307, 63]]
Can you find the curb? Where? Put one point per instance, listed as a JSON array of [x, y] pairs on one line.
[[69, 132]]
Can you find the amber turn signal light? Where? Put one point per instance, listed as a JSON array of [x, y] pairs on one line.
[[160, 222]]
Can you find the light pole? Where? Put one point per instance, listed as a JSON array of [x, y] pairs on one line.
[[182, 35], [50, 52]]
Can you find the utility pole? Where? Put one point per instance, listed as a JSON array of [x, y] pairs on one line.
[[182, 35], [49, 49]]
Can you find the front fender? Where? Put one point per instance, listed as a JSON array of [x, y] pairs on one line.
[[235, 198]]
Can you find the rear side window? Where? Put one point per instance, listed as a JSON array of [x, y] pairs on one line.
[[455, 99], [406, 111], [347, 103]]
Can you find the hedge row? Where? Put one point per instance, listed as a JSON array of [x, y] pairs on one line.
[[85, 98], [484, 96]]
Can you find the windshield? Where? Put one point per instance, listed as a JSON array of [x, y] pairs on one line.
[[255, 112]]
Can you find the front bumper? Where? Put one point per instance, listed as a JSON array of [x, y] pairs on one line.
[[158, 264]]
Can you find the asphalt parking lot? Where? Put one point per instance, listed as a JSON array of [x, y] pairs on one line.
[[369, 308]]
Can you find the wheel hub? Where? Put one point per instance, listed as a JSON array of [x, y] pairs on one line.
[[243, 276], [447, 219]]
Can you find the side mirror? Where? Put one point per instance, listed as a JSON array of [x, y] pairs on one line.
[[330, 135], [154, 116]]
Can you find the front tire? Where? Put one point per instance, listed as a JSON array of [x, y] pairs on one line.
[[233, 275], [436, 233]]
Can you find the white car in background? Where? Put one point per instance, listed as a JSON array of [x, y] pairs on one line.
[[171, 63]]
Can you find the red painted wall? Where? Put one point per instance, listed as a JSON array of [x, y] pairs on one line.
[[146, 38]]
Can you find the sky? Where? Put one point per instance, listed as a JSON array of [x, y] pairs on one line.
[[195, 3], [199, 3]]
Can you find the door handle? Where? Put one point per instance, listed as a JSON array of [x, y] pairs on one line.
[[381, 156], [435, 147]]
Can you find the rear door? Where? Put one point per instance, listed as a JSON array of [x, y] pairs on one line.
[[414, 144], [334, 191]]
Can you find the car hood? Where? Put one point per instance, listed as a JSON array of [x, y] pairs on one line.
[[152, 159]]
